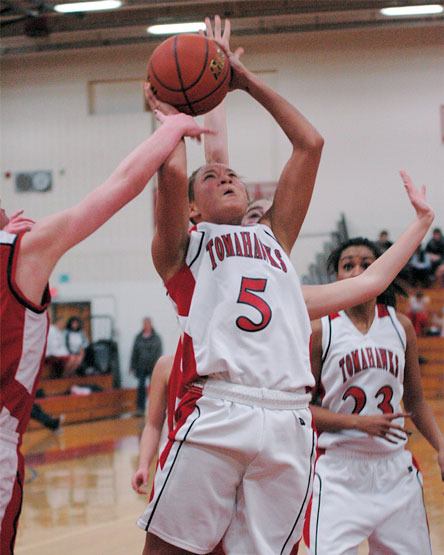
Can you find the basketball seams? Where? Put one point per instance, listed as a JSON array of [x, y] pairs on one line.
[[207, 95], [202, 71], [179, 75]]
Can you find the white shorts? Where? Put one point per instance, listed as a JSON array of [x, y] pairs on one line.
[[240, 468], [359, 497]]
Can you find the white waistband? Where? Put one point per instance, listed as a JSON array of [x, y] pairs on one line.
[[343, 453], [256, 396]]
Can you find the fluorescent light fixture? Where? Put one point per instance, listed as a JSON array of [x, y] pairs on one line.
[[429, 9], [175, 28], [96, 6]]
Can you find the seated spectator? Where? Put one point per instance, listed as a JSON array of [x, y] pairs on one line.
[[62, 363], [75, 339], [436, 327], [383, 243], [418, 312], [420, 268], [435, 250]]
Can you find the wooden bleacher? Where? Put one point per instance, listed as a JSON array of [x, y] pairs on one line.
[[431, 349], [82, 408]]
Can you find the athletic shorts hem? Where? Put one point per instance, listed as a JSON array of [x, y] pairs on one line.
[[179, 543]]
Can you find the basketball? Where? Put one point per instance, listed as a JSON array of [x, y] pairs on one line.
[[190, 72]]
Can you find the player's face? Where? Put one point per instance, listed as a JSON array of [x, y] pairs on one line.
[[219, 196], [353, 261], [255, 211]]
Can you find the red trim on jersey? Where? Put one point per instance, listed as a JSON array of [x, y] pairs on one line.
[[295, 549], [183, 411], [15, 289], [8, 528], [334, 315], [181, 288], [382, 310], [306, 530]]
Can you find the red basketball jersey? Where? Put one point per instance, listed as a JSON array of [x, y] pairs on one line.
[[23, 332]]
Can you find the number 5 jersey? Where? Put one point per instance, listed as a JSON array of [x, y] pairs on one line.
[[362, 373], [241, 310]]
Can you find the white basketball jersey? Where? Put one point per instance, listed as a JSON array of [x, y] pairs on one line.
[[241, 310], [362, 374]]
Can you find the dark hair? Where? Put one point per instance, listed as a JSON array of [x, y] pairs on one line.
[[70, 322], [191, 182], [388, 297]]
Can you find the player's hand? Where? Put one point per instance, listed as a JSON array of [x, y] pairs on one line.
[[417, 197], [238, 70], [164, 113], [155, 104], [18, 223], [382, 425], [140, 480]]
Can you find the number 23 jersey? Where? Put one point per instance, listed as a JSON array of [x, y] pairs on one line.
[[241, 310], [362, 374]]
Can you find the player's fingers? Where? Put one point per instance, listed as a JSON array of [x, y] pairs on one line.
[[384, 436], [238, 52], [227, 31], [159, 115], [210, 33], [217, 27], [398, 415], [401, 429], [393, 434], [16, 214]]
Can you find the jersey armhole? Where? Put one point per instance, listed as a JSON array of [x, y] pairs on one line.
[[326, 327]]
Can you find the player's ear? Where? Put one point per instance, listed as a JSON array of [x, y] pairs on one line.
[[194, 212]]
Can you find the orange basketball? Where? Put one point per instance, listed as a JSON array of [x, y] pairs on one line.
[[189, 72]]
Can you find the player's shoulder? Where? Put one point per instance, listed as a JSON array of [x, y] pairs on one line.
[[405, 322]]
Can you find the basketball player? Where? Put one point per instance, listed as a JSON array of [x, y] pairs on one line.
[[26, 262], [155, 431], [367, 485], [238, 463]]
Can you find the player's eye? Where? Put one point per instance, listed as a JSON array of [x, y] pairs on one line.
[[365, 265], [347, 267], [208, 176]]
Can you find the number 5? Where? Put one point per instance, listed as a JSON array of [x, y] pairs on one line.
[[247, 297]]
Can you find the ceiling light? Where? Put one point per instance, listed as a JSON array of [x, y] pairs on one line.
[[413, 10], [96, 6], [175, 28]]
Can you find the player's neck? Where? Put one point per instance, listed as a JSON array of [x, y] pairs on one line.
[[362, 315]]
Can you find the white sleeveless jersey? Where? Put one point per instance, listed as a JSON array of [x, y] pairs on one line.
[[241, 310], [362, 374]]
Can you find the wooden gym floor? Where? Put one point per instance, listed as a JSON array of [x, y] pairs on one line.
[[78, 498]]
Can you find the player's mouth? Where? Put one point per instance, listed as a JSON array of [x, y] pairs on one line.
[[229, 192]]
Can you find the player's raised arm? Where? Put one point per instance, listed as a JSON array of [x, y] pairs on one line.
[[51, 237], [172, 207], [295, 186], [323, 299]]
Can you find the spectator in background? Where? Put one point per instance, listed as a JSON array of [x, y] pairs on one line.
[[418, 312], [383, 243], [435, 250], [420, 268], [75, 340], [147, 349], [62, 362]]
